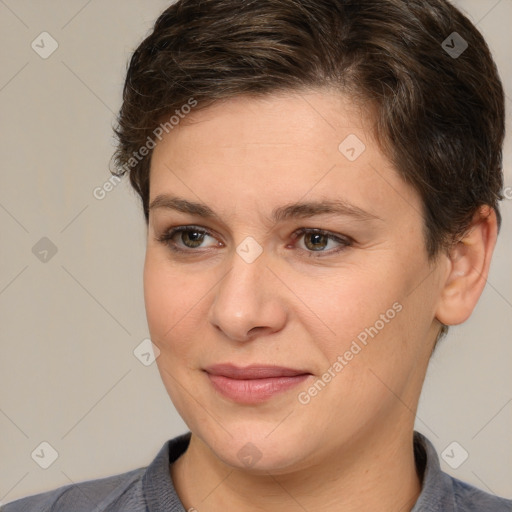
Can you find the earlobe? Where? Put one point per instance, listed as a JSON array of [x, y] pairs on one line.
[[469, 262]]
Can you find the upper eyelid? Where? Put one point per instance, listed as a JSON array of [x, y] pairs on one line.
[[208, 231], [177, 229], [320, 231]]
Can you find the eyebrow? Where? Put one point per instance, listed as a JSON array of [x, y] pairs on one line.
[[293, 210]]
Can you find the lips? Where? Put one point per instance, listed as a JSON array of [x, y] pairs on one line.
[[255, 383]]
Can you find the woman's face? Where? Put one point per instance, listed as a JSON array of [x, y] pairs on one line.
[[295, 315]]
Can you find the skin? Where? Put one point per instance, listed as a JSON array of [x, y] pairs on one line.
[[350, 447]]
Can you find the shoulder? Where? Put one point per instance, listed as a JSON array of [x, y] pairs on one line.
[[92, 495], [126, 492], [470, 499], [442, 492]]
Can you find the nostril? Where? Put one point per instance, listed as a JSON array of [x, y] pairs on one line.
[[256, 330]]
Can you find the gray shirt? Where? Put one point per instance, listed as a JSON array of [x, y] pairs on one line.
[[151, 489]]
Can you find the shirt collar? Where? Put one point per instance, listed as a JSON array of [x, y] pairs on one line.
[[157, 486], [437, 492]]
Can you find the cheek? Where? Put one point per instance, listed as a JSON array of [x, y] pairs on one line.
[[376, 331], [174, 312], [347, 304], [173, 301]]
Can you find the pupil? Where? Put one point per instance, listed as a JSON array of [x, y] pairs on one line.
[[192, 238], [316, 241]]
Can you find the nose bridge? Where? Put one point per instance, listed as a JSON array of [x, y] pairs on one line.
[[244, 299]]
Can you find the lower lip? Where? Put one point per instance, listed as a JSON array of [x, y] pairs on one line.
[[254, 390]]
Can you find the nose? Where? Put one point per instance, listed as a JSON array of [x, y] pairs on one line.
[[247, 302]]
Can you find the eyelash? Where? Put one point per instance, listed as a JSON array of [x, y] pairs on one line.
[[344, 241]]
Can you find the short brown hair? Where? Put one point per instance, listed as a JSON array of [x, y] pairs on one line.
[[439, 116]]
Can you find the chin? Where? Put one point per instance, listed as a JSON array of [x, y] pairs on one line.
[[257, 447]]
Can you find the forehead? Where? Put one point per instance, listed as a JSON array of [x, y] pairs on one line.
[[280, 118], [316, 144]]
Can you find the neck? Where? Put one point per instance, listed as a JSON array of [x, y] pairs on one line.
[[373, 474]]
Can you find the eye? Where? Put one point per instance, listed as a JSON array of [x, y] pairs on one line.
[[320, 241], [314, 242], [188, 238]]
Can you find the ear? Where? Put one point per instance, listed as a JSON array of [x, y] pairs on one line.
[[468, 268]]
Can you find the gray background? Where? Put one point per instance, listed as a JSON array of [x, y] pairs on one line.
[[69, 325]]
